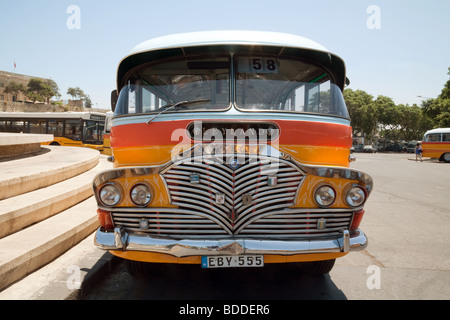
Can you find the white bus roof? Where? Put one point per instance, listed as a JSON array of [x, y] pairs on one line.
[[46, 115], [154, 48], [438, 130], [227, 37]]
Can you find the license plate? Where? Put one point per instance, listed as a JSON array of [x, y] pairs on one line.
[[232, 261]]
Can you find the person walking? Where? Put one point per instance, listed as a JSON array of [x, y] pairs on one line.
[[418, 152]]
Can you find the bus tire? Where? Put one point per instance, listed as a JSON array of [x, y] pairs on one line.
[[318, 267], [54, 143], [138, 269], [445, 157]]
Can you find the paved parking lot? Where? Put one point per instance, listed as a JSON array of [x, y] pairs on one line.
[[407, 221]]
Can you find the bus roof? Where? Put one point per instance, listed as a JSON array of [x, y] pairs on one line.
[[158, 48], [438, 130], [227, 37], [47, 115]]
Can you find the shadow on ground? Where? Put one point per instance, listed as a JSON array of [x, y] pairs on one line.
[[190, 282]]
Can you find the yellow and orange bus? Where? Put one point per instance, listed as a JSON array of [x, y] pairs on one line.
[[436, 144], [107, 133], [231, 149], [75, 129]]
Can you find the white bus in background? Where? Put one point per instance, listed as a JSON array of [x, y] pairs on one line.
[[75, 129]]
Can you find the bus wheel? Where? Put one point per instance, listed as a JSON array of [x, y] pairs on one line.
[[318, 267], [54, 143], [140, 269], [446, 157]]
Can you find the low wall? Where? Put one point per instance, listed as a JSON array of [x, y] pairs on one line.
[[29, 107], [19, 144], [8, 106]]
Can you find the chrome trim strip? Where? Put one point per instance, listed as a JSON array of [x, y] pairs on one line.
[[192, 247], [230, 115]]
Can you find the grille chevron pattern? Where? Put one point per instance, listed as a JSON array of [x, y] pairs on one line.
[[217, 179], [268, 215]]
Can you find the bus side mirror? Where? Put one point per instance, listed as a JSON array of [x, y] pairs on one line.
[[114, 98]]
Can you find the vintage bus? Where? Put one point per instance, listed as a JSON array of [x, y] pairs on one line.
[[231, 149], [106, 134], [75, 129], [436, 144]]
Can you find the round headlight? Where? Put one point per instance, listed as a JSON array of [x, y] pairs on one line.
[[325, 196], [110, 195], [355, 197], [141, 195]]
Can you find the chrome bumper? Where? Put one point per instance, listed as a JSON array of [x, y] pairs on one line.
[[121, 240]]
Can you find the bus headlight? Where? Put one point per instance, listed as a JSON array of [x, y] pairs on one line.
[[355, 197], [324, 196], [110, 195], [141, 195]]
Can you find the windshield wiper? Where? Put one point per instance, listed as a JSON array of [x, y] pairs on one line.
[[179, 104]]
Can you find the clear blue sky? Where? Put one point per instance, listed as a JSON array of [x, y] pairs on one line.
[[407, 54]]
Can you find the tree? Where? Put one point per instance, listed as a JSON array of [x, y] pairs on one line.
[[442, 108], [34, 88], [15, 88], [357, 104], [41, 90], [383, 116], [87, 101], [78, 94], [412, 123], [49, 89], [439, 109], [388, 115]]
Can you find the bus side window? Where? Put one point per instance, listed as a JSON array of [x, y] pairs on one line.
[[434, 137], [18, 126], [38, 126], [446, 137], [150, 101], [55, 127], [73, 130], [318, 97]]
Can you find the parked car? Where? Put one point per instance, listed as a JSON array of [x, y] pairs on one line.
[[369, 149], [410, 147], [396, 147]]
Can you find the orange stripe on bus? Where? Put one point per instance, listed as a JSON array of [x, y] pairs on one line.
[[173, 132]]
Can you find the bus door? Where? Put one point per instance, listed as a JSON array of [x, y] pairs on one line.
[[73, 129], [93, 132], [55, 127]]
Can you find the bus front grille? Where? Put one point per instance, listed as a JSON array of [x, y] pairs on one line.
[[235, 198]]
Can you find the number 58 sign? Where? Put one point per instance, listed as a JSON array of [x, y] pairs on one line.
[[257, 65]]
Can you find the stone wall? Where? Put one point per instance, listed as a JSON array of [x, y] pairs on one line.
[[8, 106]]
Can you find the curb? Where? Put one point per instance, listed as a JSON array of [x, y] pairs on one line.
[[69, 277]]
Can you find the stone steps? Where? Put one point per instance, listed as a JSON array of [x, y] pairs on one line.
[[38, 226]]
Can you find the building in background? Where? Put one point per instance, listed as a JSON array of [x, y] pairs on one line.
[[8, 77]]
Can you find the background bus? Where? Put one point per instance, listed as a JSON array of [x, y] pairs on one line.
[[436, 144], [106, 134], [76, 129]]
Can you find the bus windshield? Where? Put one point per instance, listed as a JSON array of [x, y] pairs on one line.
[[271, 83], [169, 82], [258, 83]]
